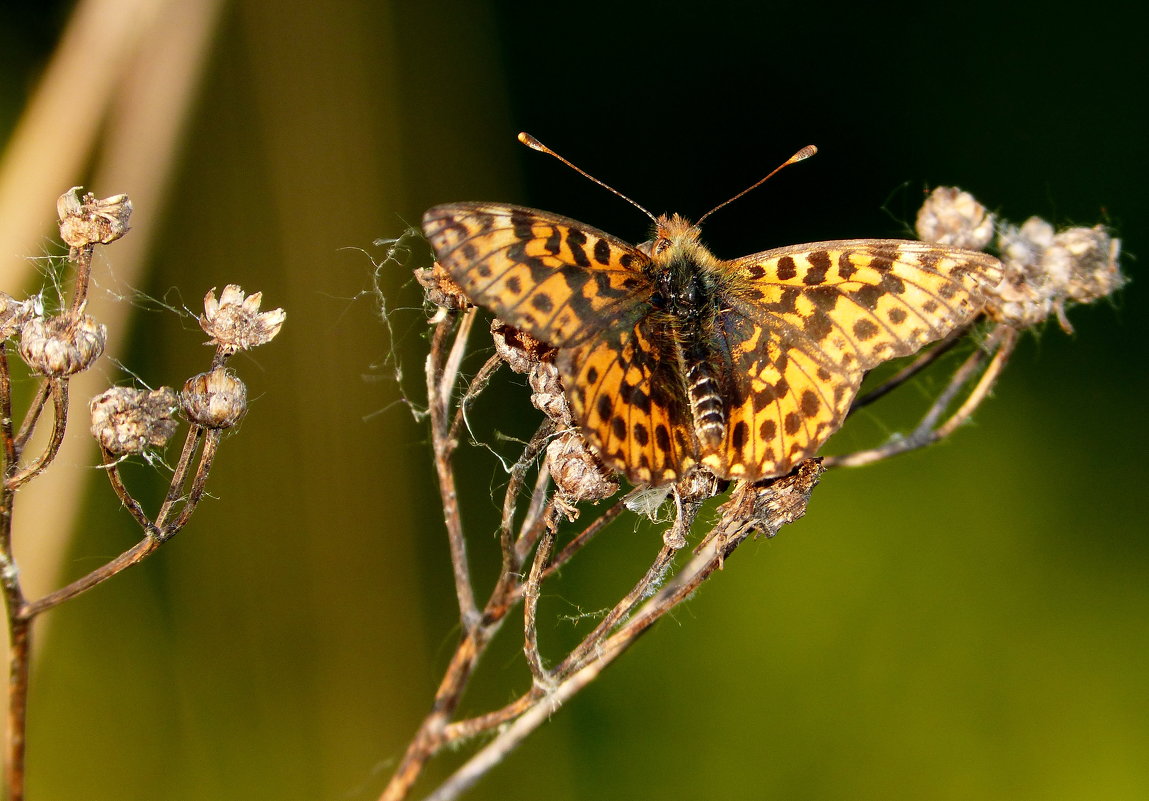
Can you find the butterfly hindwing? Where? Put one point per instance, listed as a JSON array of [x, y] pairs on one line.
[[782, 401], [625, 391], [555, 278]]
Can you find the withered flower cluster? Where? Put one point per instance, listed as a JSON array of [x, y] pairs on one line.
[[1045, 270], [125, 421]]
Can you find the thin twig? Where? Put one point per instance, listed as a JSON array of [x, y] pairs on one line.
[[59, 393], [179, 475], [19, 627], [1003, 340], [481, 724], [590, 647], [541, 514], [19, 659], [530, 594], [441, 376], [497, 750], [788, 497], [133, 556], [9, 440], [430, 736], [474, 388], [455, 358], [580, 540], [111, 466], [82, 258], [35, 408], [1009, 339], [199, 483], [512, 556]]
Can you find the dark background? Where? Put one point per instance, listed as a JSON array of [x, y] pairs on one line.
[[967, 622]]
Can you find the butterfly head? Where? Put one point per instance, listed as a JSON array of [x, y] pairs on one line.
[[676, 239]]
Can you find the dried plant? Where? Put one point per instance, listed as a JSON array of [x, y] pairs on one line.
[[125, 421], [559, 477]]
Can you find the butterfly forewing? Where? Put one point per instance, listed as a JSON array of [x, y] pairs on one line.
[[553, 277]]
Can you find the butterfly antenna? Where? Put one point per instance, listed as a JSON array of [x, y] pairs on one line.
[[535, 144], [801, 155]]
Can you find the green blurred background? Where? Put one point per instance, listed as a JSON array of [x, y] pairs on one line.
[[967, 622]]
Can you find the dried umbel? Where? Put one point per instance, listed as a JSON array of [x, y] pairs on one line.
[[441, 288], [63, 345], [547, 393], [126, 420], [517, 348], [235, 322], [90, 221], [1045, 270], [216, 399], [578, 474], [951, 216], [700, 485], [13, 314]]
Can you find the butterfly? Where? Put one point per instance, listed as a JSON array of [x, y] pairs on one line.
[[672, 358]]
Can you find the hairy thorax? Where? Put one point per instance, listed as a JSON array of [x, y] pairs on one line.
[[687, 298]]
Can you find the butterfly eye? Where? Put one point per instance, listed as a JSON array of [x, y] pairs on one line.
[[661, 246]]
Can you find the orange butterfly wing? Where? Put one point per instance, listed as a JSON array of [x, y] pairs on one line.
[[585, 292], [626, 389], [802, 324], [557, 279]]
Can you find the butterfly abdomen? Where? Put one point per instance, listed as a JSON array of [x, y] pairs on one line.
[[688, 292], [706, 404]]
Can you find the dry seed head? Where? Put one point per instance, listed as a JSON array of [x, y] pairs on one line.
[[953, 217], [235, 323], [767, 505], [216, 399], [126, 420], [89, 221], [441, 288], [13, 314], [547, 393], [1093, 254], [578, 474], [698, 485], [63, 345], [517, 348], [1046, 270]]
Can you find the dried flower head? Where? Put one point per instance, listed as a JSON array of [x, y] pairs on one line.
[[517, 348], [441, 288], [126, 420], [235, 323], [1046, 270], [1093, 269], [89, 221], [63, 345], [765, 506], [216, 399], [13, 314], [698, 485], [577, 472], [547, 393], [953, 217]]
